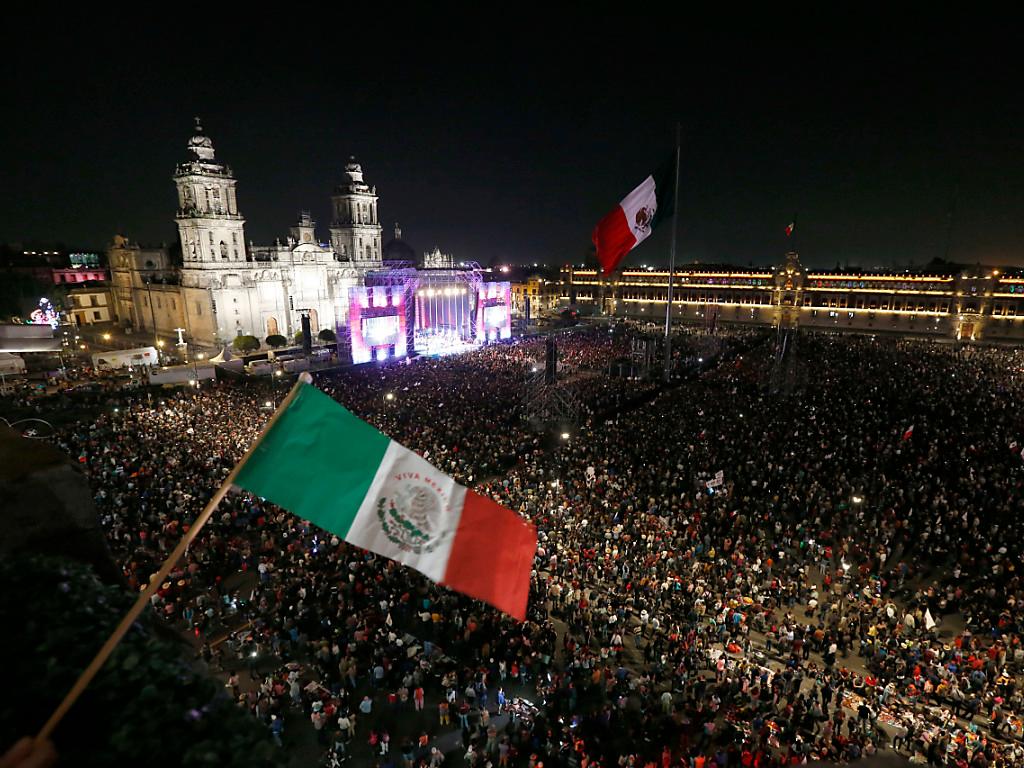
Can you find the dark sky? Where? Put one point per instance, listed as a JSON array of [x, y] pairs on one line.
[[511, 145]]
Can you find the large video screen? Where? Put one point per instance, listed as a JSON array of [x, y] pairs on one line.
[[380, 330], [495, 316], [377, 322], [494, 320]]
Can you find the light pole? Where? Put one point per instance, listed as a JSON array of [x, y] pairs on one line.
[[152, 312], [182, 346]]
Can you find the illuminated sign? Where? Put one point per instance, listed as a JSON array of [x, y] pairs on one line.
[[84, 259], [45, 314]]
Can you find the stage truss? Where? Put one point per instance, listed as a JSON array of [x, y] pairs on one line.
[[548, 405]]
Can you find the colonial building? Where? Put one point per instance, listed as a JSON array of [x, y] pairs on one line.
[[89, 304], [224, 287], [538, 294], [971, 304]]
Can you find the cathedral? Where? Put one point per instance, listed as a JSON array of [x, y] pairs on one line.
[[222, 287]]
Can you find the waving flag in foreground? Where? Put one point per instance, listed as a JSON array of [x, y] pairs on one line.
[[323, 463], [633, 220]]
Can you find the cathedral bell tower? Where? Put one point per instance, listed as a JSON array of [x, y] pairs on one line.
[[304, 230], [211, 228], [355, 229]]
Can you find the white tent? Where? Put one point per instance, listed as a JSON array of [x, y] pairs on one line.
[[11, 365], [224, 356]]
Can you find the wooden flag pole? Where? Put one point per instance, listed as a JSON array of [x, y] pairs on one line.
[[154, 583]]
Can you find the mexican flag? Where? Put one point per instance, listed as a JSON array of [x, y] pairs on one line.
[[791, 227], [909, 433], [321, 462], [632, 220]]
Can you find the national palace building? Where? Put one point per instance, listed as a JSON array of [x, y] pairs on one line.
[[972, 304]]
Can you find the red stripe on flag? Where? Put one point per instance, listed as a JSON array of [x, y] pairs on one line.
[[492, 555], [613, 239]]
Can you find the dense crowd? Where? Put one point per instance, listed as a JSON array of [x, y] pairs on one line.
[[724, 575]]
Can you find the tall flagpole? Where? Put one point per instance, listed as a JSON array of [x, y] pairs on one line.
[[672, 265], [157, 579]]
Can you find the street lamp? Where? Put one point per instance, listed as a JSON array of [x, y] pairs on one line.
[[389, 396], [565, 435], [106, 337]]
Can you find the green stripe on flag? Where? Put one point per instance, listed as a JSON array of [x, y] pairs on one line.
[[317, 461]]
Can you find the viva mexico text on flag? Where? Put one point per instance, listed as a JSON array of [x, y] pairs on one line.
[[632, 220], [325, 464]]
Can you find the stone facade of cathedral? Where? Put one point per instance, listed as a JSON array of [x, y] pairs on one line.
[[224, 287]]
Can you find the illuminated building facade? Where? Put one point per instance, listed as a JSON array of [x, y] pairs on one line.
[[223, 285], [540, 294], [971, 305]]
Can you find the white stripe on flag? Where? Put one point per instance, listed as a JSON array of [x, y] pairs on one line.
[[408, 489], [639, 207]]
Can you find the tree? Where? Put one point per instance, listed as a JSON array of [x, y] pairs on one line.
[[276, 340], [298, 336], [327, 335], [146, 706], [246, 343]]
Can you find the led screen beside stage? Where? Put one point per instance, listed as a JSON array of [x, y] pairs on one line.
[[380, 330], [377, 323], [494, 316]]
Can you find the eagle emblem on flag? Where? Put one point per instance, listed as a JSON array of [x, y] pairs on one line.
[[407, 518], [644, 218]]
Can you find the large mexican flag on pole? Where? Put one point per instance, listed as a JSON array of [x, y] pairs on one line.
[[323, 463], [634, 218]]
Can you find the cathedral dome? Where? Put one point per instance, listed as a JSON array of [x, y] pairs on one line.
[[397, 249], [354, 170], [201, 145]]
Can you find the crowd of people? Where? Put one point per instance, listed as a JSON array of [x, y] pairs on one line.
[[725, 575]]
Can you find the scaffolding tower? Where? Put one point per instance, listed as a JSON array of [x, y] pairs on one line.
[[643, 356], [546, 399]]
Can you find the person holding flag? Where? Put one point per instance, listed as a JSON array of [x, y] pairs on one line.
[[318, 460]]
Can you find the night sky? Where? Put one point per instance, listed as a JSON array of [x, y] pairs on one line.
[[511, 147]]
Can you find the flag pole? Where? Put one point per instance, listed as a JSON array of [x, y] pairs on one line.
[[129, 618], [672, 265]]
